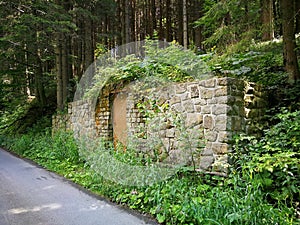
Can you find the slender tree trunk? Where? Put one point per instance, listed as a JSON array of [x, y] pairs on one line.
[[88, 43], [179, 22], [267, 20], [153, 18], [132, 20], [29, 79], [197, 6], [80, 56], [289, 42], [118, 24], [127, 21], [63, 65], [65, 69], [59, 76], [161, 11], [39, 86], [185, 25], [297, 2], [277, 18], [168, 21]]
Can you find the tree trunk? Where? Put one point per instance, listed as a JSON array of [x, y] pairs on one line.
[[132, 32], [289, 42], [88, 43], [197, 6], [179, 22], [168, 21], [161, 30], [38, 76], [153, 18], [118, 24], [297, 2], [185, 25], [127, 21], [59, 77], [65, 70], [39, 86], [267, 20]]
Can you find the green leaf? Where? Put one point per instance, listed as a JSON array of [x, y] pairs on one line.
[[160, 218]]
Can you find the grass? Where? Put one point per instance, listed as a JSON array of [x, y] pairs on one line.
[[262, 187], [185, 198]]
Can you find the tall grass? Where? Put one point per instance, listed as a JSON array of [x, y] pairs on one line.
[[185, 198]]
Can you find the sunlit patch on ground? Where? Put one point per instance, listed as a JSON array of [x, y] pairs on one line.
[[46, 207]]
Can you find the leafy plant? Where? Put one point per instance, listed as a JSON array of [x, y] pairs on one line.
[[185, 198], [273, 161]]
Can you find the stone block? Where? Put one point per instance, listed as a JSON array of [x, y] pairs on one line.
[[198, 108], [220, 148], [193, 119], [211, 101], [207, 93], [199, 101], [188, 106], [221, 123], [202, 83], [220, 109], [180, 88], [185, 96], [207, 151], [237, 123], [211, 83], [224, 136], [162, 133], [221, 91], [222, 99], [231, 100], [234, 92], [208, 122], [194, 90], [222, 81], [249, 90], [210, 135], [207, 109], [206, 162], [174, 100]]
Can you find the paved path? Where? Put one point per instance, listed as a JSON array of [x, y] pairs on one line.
[[33, 196]]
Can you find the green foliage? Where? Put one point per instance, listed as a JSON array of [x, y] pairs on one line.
[[273, 160], [20, 118], [228, 22], [189, 199], [263, 188], [260, 63], [43, 148], [172, 64], [185, 198]]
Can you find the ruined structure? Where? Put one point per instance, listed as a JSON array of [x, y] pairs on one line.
[[213, 109]]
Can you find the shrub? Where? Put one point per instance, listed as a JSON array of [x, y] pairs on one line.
[[185, 198], [273, 162]]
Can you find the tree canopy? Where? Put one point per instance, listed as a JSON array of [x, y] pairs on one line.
[[46, 46]]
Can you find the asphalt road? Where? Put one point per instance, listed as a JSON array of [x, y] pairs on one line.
[[30, 195]]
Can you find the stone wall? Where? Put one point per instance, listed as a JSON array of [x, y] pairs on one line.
[[213, 109]]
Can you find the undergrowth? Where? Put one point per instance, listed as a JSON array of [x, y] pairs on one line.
[[262, 188], [263, 183]]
